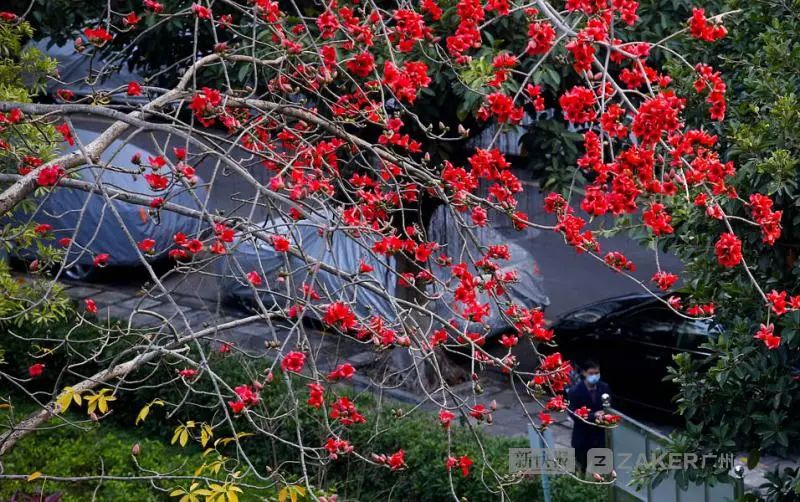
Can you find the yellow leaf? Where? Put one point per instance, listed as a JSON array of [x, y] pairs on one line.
[[67, 397], [91, 403], [34, 475], [143, 414], [184, 437], [292, 492], [177, 434], [223, 441], [206, 433]]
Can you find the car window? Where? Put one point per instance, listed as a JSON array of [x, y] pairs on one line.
[[650, 324]]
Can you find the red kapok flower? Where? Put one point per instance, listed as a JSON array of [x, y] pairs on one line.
[[97, 36], [336, 447], [464, 463], [202, 12], [445, 417], [729, 250], [766, 334], [344, 410], [146, 245], [664, 280], [701, 28], [293, 361], [578, 105], [154, 6], [49, 176], [36, 370], [316, 395], [134, 89], [343, 371], [280, 243], [541, 35], [236, 406], [777, 301], [582, 412], [254, 279], [157, 181], [91, 306], [362, 65], [397, 461], [188, 373], [131, 19], [340, 315]]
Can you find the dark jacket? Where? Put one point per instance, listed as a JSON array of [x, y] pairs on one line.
[[586, 436]]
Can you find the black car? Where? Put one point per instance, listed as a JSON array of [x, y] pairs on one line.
[[633, 338]]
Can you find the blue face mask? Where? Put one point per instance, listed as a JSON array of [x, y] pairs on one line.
[[593, 379]]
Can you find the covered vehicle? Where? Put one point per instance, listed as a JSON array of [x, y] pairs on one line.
[[347, 254], [80, 74], [526, 291], [88, 220], [336, 249]]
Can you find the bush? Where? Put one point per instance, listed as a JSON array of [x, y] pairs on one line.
[[79, 452], [102, 449]]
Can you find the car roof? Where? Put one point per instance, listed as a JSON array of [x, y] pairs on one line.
[[624, 302]]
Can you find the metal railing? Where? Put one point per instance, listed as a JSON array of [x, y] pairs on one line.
[[634, 441]]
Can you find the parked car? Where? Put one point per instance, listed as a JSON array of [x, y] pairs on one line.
[[88, 220], [633, 338]]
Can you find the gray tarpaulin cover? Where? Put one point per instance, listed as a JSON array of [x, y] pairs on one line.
[[74, 68], [527, 292], [346, 253], [97, 228], [337, 250]]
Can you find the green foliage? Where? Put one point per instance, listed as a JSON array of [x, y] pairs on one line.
[[95, 450], [22, 75], [388, 429], [22, 303], [746, 396]]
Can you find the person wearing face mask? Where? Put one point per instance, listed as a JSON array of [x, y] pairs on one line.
[[588, 392]]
